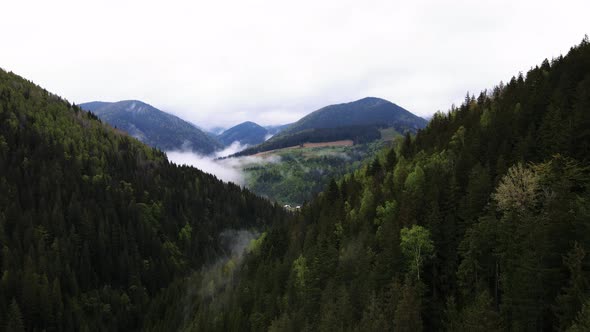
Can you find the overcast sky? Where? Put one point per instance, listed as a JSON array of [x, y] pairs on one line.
[[224, 62]]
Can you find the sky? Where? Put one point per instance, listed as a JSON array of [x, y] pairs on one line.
[[219, 63]]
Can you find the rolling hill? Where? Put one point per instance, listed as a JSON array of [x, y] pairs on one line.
[[153, 126], [368, 111], [359, 121]]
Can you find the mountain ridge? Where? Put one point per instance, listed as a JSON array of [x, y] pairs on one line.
[[364, 111], [153, 126], [358, 120]]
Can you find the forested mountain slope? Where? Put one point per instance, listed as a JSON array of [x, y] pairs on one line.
[[93, 223], [479, 223], [359, 121], [153, 126], [362, 112]]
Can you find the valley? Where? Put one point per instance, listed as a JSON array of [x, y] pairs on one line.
[[249, 166], [289, 166]]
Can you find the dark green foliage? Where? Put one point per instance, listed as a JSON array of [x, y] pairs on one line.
[[153, 127], [582, 321], [477, 315], [501, 184], [14, 319], [94, 224]]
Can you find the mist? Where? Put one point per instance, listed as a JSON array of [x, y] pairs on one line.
[[233, 148], [207, 164], [210, 282], [228, 170], [234, 243]]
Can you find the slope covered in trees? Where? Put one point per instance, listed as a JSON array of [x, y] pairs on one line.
[[363, 112], [93, 223], [359, 121], [358, 134], [153, 126], [479, 223]]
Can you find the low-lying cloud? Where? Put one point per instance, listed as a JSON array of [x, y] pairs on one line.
[[228, 170], [207, 164], [233, 148]]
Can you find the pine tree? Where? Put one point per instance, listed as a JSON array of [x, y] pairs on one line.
[[14, 322]]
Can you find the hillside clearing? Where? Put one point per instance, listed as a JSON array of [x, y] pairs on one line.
[[347, 142]]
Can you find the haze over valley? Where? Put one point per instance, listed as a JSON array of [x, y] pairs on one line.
[[289, 164]]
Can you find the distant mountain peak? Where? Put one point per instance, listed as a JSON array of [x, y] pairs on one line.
[[373, 100], [247, 132], [250, 123], [362, 112]]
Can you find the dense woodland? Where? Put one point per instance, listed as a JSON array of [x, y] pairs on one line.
[[478, 223], [93, 224]]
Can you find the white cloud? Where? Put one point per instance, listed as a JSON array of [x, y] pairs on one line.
[[235, 147], [228, 170], [222, 170], [224, 62]]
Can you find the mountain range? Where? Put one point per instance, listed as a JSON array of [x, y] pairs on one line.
[[358, 120]]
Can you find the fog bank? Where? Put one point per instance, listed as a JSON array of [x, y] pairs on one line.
[[228, 170]]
